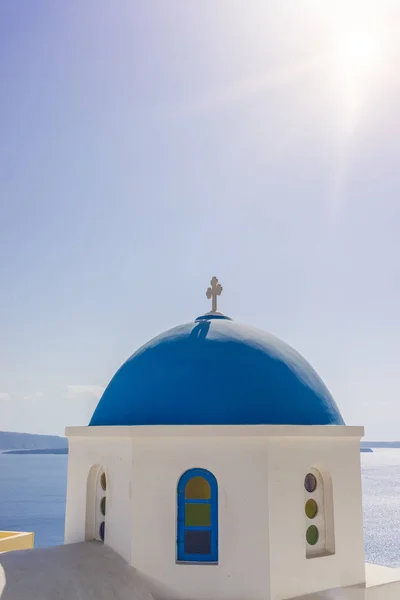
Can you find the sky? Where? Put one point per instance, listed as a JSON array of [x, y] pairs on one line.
[[147, 146]]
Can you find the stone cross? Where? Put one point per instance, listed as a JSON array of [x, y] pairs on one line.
[[214, 291]]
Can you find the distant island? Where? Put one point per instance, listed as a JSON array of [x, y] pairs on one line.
[[38, 451], [368, 446], [12, 442], [380, 444]]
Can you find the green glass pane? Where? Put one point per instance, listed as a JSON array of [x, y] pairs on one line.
[[198, 488], [197, 515], [312, 535], [311, 509], [103, 482]]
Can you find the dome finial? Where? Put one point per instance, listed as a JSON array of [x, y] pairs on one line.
[[214, 291]]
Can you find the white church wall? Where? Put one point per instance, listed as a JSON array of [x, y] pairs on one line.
[[239, 466], [289, 460], [115, 457], [260, 472]]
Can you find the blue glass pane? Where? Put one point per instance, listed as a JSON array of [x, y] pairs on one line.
[[197, 542], [310, 483]]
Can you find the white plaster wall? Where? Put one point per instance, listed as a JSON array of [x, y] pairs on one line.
[[240, 467], [260, 472], [289, 460], [115, 456]]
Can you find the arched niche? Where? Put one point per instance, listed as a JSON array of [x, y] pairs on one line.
[[96, 504]]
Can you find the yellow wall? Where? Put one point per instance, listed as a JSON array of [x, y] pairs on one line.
[[15, 540]]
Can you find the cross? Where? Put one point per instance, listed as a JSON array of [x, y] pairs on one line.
[[214, 291]]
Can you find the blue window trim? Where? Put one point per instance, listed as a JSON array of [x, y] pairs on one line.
[[213, 528]]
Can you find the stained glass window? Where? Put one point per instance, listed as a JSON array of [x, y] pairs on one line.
[[197, 537]]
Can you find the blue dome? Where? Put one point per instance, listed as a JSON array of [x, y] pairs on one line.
[[216, 372]]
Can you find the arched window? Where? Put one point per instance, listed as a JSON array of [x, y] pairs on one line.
[[96, 504], [318, 512], [197, 538]]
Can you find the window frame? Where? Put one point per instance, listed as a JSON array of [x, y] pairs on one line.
[[182, 556]]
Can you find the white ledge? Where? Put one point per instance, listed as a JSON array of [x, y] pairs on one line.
[[140, 431]]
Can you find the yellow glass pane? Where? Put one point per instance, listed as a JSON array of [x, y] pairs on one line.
[[197, 488], [311, 509], [197, 515]]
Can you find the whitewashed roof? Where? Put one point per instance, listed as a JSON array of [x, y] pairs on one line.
[[92, 571], [84, 571]]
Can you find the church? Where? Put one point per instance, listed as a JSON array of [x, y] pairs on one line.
[[216, 466]]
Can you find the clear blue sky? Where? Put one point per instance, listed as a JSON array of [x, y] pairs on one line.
[[146, 146]]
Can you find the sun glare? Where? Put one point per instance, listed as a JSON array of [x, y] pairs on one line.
[[359, 63], [358, 53]]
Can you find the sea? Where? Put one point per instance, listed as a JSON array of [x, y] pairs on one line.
[[33, 490]]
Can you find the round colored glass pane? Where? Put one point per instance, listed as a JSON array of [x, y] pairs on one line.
[[312, 535], [103, 506], [197, 488], [311, 509], [310, 483], [102, 531], [103, 482]]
